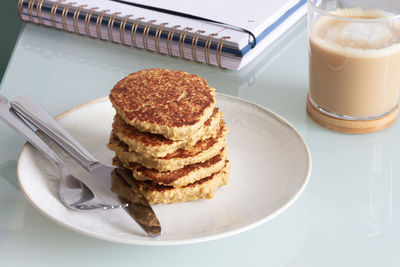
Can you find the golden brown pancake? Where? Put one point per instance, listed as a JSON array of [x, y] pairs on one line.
[[200, 152], [181, 177], [174, 104], [161, 194], [168, 137], [157, 145]]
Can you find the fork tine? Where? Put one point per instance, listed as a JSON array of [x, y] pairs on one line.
[[106, 207], [98, 206]]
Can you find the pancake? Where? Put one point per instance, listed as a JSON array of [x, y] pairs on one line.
[[174, 104], [181, 177], [160, 194], [156, 145], [200, 152]]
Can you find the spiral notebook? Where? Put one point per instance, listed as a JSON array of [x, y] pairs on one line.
[[227, 34]]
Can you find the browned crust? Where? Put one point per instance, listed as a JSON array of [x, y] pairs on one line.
[[155, 194], [162, 97], [152, 186], [169, 177], [200, 146], [149, 139], [120, 127]]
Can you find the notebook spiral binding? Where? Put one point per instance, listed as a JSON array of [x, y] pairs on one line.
[[122, 29], [158, 36], [133, 31], [99, 23], [194, 45], [53, 12], [87, 20], [39, 9], [30, 11], [145, 34], [34, 9], [110, 26], [170, 38], [182, 38], [76, 17], [64, 14]]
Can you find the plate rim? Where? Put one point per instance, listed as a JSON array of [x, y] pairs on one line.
[[155, 242]]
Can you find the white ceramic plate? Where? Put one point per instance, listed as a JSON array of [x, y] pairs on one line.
[[271, 166]]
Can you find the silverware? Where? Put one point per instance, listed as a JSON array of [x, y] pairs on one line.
[[138, 208], [73, 192]]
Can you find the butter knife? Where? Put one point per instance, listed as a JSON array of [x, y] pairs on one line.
[[138, 207]]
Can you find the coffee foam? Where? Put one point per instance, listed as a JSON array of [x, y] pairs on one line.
[[372, 38]]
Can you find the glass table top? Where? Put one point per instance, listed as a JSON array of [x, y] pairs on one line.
[[347, 215]]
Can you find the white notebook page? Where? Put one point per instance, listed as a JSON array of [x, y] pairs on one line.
[[255, 15]]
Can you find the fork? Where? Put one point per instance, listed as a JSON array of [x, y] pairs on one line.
[[139, 208], [73, 193]]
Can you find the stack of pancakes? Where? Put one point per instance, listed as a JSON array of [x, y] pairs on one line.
[[168, 136]]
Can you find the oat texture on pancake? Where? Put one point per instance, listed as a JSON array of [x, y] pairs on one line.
[[171, 103], [168, 136], [157, 145]]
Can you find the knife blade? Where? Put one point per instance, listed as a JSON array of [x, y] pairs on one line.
[[138, 207]]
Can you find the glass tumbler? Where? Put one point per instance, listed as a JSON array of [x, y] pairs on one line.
[[354, 63]]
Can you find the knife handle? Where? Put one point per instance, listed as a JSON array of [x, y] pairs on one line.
[[29, 109], [20, 126]]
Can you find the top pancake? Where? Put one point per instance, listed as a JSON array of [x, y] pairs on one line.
[[172, 103]]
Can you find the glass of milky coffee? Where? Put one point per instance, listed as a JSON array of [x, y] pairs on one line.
[[354, 64]]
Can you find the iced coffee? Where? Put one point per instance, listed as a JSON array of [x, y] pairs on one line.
[[355, 63]]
